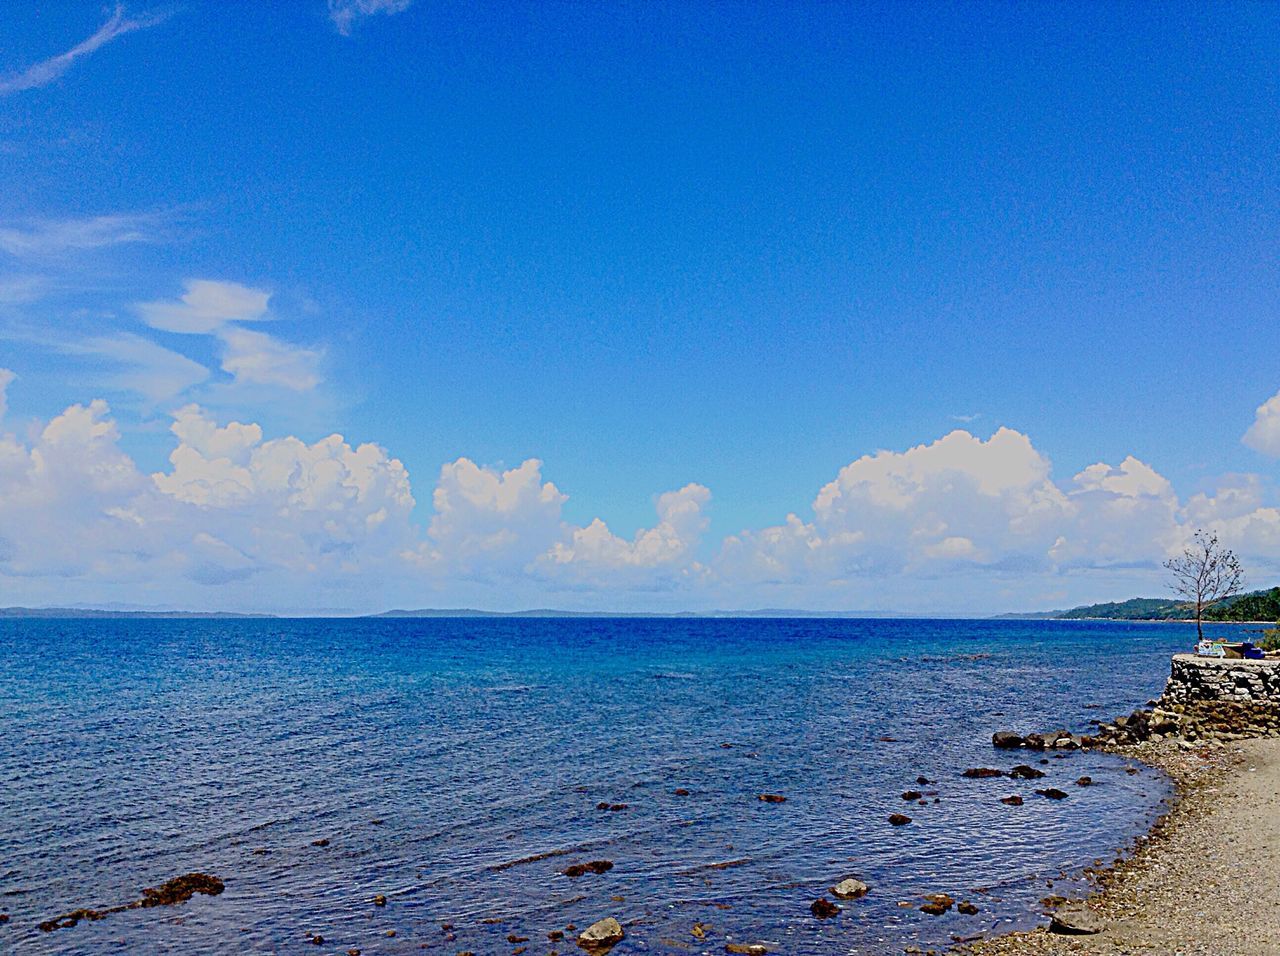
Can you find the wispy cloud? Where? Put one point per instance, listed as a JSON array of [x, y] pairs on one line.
[[6, 379], [50, 237], [206, 306], [345, 13], [256, 358], [46, 71], [151, 370], [966, 419]]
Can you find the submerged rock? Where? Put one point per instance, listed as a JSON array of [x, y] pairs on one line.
[[178, 890], [1013, 801], [1024, 772], [979, 773], [601, 935], [746, 949], [1007, 740], [581, 869], [1085, 782], [967, 908], [899, 819], [1053, 793], [772, 798], [911, 795], [849, 889], [823, 908]]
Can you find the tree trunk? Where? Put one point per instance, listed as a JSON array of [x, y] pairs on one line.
[[1199, 616]]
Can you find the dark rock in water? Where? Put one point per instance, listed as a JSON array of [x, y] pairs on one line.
[[1075, 920], [933, 909], [942, 899], [1084, 782], [321, 842], [555, 935], [4, 918], [1013, 801], [1024, 772], [823, 908], [581, 869], [899, 819], [1034, 741], [977, 773], [353, 952], [911, 795], [1053, 793], [317, 939], [178, 890], [772, 798], [746, 949], [681, 792], [379, 900], [1006, 740], [512, 938], [923, 781], [615, 807], [967, 908]]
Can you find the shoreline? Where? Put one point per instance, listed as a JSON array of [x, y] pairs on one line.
[[1205, 878]]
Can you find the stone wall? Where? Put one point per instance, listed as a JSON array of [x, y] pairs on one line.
[[1217, 697]]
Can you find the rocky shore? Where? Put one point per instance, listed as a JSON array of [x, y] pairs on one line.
[[1206, 880]]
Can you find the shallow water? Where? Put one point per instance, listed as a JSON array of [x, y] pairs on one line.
[[134, 751]]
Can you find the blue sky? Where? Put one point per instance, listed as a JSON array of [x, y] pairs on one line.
[[732, 248]]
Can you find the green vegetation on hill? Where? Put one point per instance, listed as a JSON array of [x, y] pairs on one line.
[[1255, 606]]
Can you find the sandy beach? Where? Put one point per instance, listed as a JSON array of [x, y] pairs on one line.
[[1207, 881]]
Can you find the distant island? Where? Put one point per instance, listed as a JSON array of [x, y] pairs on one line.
[[1256, 606]]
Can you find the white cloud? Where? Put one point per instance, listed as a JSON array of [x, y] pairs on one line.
[[51, 237], [153, 371], [596, 554], [206, 306], [259, 359], [6, 379], [486, 520], [1264, 434], [45, 72], [346, 13]]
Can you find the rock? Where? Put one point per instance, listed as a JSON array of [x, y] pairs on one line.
[[1053, 793], [980, 773], [899, 819], [1013, 801], [602, 935], [581, 869], [823, 908], [555, 935], [911, 795], [1075, 920], [923, 781], [942, 899], [317, 940], [681, 792], [512, 938], [615, 807], [772, 798], [1085, 781], [746, 949], [178, 890], [353, 952], [1034, 741], [967, 908], [933, 909], [1006, 740], [849, 889], [321, 842], [1024, 772], [1066, 743]]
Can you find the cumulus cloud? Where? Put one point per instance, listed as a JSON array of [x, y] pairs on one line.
[[346, 13], [6, 379], [656, 556], [46, 71], [231, 507], [1264, 434]]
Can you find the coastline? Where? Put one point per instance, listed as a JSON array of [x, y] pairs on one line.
[[1205, 880]]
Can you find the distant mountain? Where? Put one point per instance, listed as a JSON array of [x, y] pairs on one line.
[[99, 613], [552, 612], [1254, 606]]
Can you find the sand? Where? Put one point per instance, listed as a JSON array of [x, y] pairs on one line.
[[1208, 879]]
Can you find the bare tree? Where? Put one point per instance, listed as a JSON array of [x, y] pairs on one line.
[[1205, 574]]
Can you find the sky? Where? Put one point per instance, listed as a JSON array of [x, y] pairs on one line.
[[342, 306]]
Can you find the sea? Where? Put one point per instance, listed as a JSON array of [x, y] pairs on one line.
[[457, 766]]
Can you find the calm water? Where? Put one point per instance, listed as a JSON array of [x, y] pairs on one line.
[[131, 752]]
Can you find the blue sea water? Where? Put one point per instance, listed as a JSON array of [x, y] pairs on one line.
[[132, 751]]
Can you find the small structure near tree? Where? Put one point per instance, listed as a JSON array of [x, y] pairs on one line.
[[1205, 574]]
